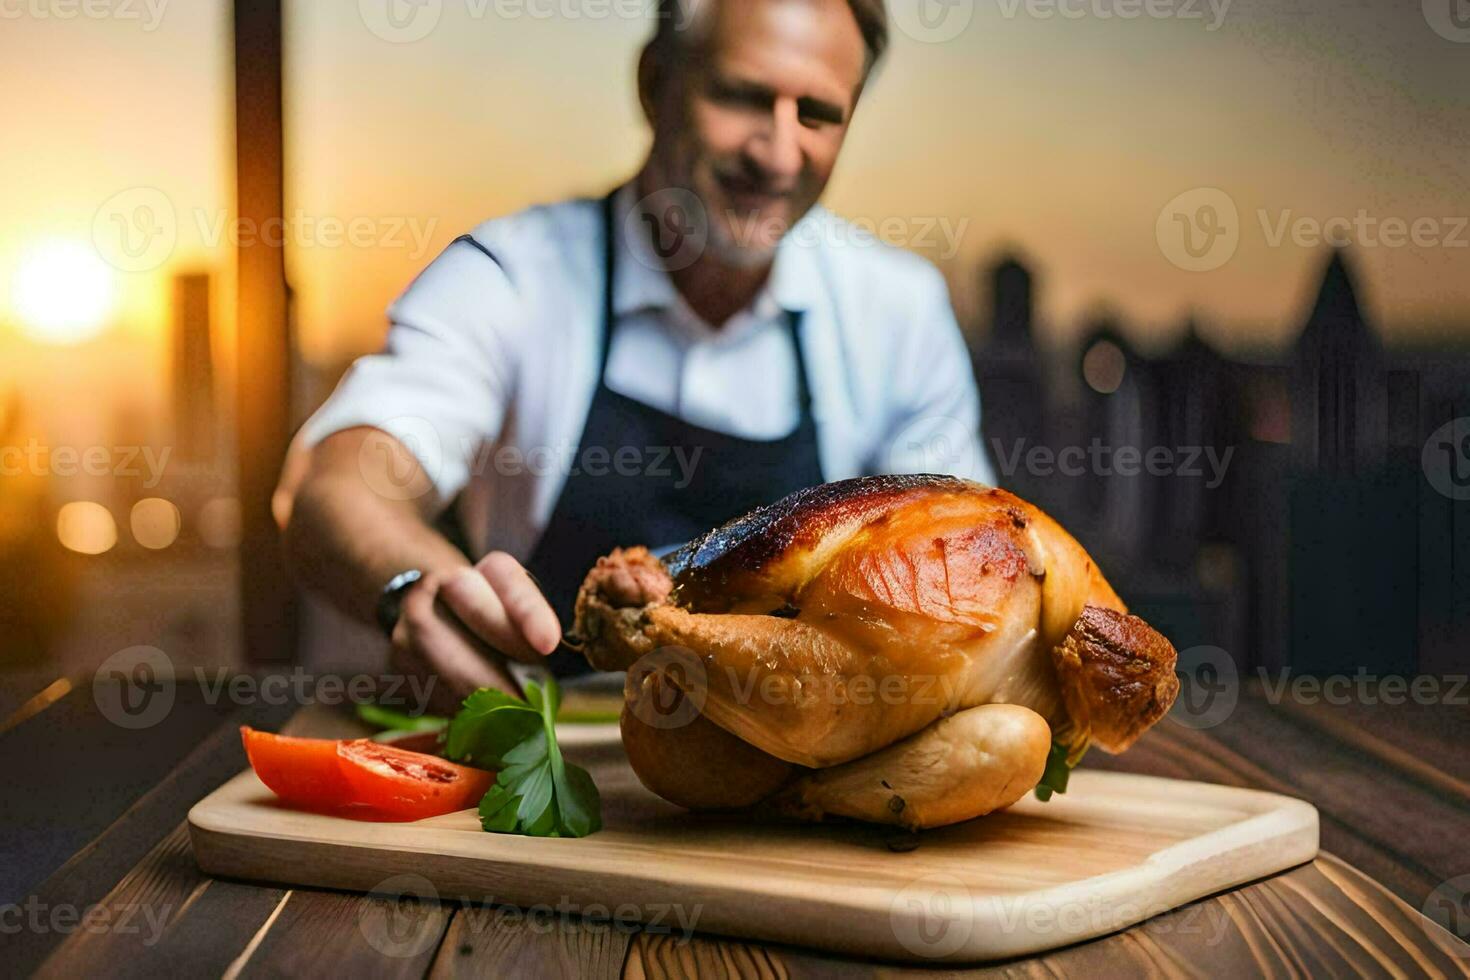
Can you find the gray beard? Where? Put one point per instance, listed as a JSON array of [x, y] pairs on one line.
[[729, 250]]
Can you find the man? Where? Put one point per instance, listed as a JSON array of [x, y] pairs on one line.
[[639, 369]]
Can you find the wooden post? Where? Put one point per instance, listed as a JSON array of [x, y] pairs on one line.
[[262, 387]]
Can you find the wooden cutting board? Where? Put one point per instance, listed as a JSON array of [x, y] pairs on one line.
[[1115, 850]]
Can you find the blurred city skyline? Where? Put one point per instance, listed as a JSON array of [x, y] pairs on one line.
[[1059, 134]]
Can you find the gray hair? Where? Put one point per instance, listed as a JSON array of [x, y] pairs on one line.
[[677, 20]]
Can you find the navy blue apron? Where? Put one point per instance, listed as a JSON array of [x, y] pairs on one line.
[[601, 510]]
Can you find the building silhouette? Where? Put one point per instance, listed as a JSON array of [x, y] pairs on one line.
[[192, 377], [1292, 524]]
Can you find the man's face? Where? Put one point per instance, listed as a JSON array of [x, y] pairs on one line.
[[753, 120]]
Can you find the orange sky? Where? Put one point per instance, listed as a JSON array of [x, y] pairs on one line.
[[1063, 137]]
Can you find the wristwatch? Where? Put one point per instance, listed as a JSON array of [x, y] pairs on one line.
[[390, 600]]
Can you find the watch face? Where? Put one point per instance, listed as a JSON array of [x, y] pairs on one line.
[[390, 603]]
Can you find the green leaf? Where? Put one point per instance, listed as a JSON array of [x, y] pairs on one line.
[[489, 724], [544, 825], [553, 699], [398, 721], [579, 802], [1058, 770], [531, 752], [536, 791], [498, 810], [388, 736]]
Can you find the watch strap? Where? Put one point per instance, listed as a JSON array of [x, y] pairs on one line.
[[390, 600]]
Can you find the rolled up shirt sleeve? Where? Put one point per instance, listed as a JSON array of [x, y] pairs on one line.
[[934, 420], [441, 385]]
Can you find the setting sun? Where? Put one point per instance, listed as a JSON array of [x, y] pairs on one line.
[[63, 292]]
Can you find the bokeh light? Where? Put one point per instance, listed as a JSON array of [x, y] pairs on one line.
[[1103, 367], [155, 523], [86, 527]]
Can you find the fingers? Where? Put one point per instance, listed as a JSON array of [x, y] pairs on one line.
[[429, 644], [498, 601], [471, 599], [523, 601]]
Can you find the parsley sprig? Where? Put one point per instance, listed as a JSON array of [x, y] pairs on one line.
[[396, 724], [1060, 762], [537, 792]]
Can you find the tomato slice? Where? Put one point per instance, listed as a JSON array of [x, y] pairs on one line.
[[405, 785], [304, 772], [361, 778]]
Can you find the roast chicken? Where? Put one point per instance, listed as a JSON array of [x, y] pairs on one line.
[[904, 650]]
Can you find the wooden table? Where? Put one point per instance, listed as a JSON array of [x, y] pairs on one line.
[[1392, 785]]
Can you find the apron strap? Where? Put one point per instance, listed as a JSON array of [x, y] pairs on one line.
[[794, 320], [609, 267]]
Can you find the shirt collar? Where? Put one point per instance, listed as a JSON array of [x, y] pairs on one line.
[[642, 284]]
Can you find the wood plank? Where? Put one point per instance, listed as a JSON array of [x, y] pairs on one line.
[[190, 925], [1251, 750], [1119, 847], [1323, 919], [212, 932], [324, 933], [22, 699], [91, 873], [498, 941], [131, 919], [60, 813], [1290, 924], [662, 957], [1419, 829], [1402, 737]]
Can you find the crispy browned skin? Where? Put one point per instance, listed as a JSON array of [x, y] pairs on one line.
[[937, 594], [765, 557], [1117, 676]]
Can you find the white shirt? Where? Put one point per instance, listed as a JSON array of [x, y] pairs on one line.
[[489, 369]]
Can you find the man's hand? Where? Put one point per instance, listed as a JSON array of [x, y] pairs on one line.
[[357, 512], [461, 624]]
